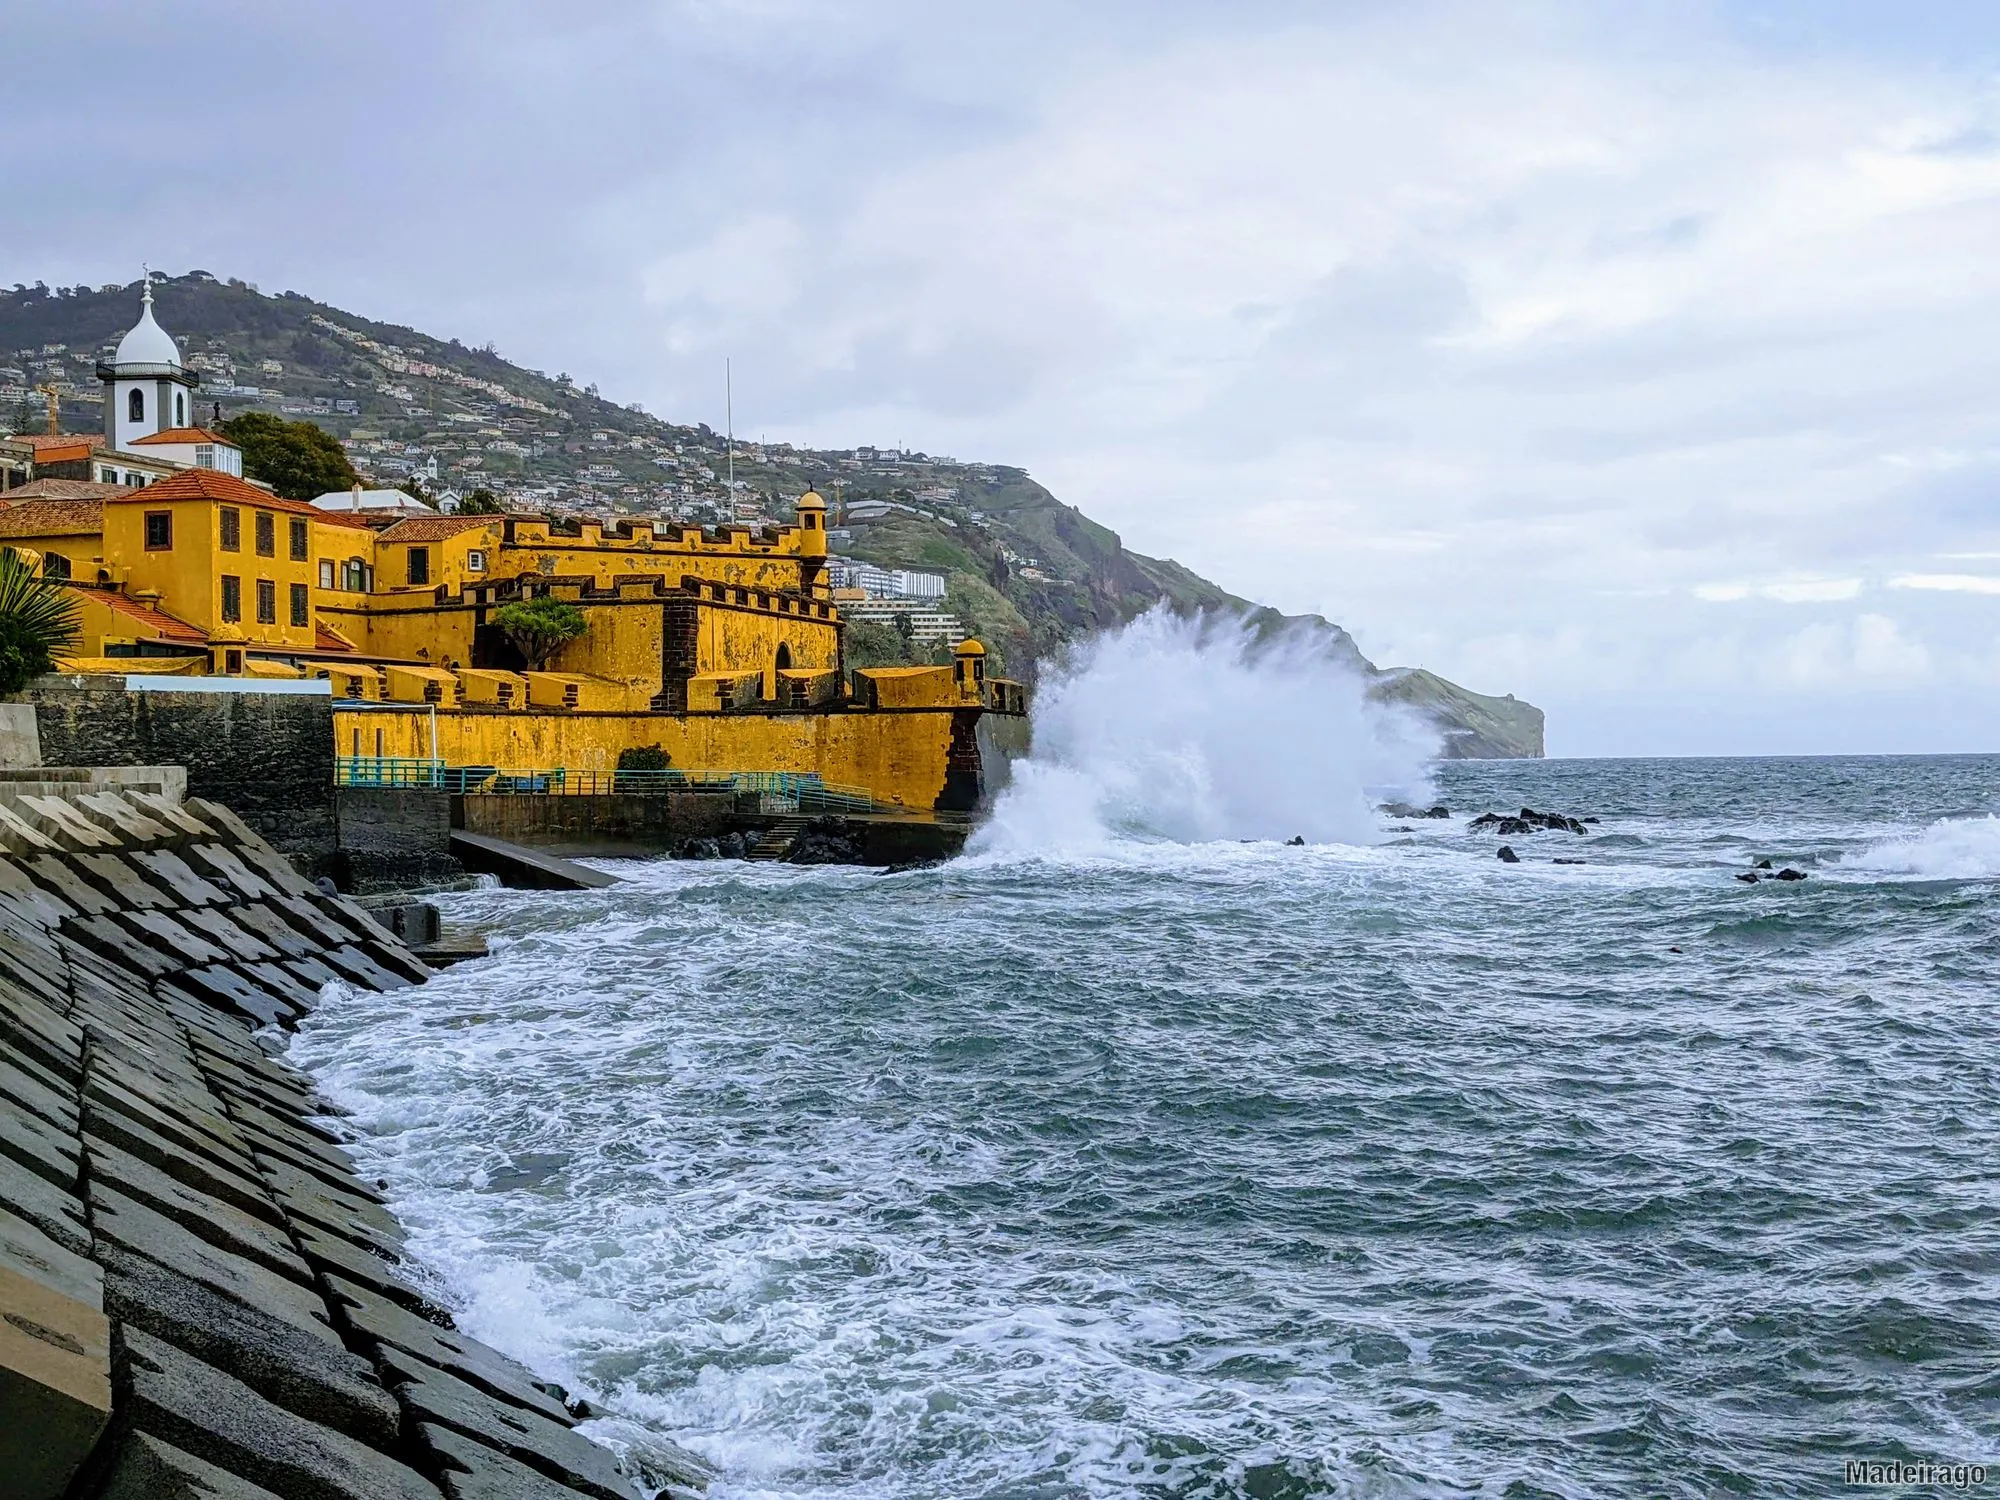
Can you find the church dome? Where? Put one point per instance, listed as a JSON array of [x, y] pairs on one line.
[[147, 343]]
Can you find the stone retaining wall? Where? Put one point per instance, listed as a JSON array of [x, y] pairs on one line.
[[198, 1296]]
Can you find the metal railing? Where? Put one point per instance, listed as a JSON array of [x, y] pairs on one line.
[[803, 791]]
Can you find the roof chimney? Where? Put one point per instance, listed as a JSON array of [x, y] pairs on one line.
[[357, 495]]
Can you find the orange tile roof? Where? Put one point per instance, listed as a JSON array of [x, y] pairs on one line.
[[435, 528], [213, 484], [184, 435], [49, 453], [60, 489], [163, 624], [40, 440], [358, 519], [52, 518], [327, 640]]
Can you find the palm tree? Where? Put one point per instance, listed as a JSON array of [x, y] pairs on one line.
[[38, 621]]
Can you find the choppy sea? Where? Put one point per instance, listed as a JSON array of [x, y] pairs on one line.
[[1203, 1168]]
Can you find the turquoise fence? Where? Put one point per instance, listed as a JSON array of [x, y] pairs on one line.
[[807, 790]]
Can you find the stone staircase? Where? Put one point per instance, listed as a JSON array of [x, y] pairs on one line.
[[776, 841]]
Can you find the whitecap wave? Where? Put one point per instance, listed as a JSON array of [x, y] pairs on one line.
[[1950, 849], [1195, 729]]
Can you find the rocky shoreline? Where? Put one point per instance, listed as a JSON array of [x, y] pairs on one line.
[[199, 1296]]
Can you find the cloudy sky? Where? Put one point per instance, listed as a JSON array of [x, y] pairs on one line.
[[1639, 359]]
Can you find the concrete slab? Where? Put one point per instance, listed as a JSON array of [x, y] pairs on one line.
[[239, 1188], [53, 874], [171, 810], [232, 829], [37, 1031], [359, 967], [302, 997], [221, 927], [55, 1385], [167, 869], [35, 898], [335, 1255], [318, 920], [124, 1223], [19, 836], [396, 958], [220, 861], [62, 824], [120, 879], [144, 1468], [210, 1219], [112, 940], [470, 1470], [273, 929], [180, 1112], [56, 1212], [557, 1451], [311, 971], [230, 991], [381, 1321], [38, 1147], [309, 1203], [521, 868], [120, 817], [26, 1251], [37, 975], [33, 1091], [295, 1369], [274, 867], [175, 938], [202, 1411]]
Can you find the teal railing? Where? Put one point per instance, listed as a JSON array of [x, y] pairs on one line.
[[806, 789]]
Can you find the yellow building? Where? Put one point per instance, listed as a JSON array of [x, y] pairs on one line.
[[722, 649]]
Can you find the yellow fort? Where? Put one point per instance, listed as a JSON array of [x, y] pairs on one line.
[[721, 649]]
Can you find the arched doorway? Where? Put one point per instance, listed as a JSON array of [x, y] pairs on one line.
[[781, 663]]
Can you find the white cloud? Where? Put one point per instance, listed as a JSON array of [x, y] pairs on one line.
[[1948, 583], [1785, 591]]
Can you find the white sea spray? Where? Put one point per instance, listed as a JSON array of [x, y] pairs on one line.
[[1193, 729]]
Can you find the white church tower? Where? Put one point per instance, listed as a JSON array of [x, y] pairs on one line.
[[146, 387]]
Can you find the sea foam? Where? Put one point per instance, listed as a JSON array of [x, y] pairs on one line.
[[1950, 849], [1193, 729]]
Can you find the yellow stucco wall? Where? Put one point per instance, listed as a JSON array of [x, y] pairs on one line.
[[896, 757]]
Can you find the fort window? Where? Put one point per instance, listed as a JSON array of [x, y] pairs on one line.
[[54, 565], [301, 607], [326, 573], [301, 540], [356, 581], [232, 598], [180, 410], [267, 534], [230, 521], [232, 662], [267, 602], [420, 565], [475, 561], [159, 530], [135, 406]]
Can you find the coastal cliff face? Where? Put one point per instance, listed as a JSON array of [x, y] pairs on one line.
[[198, 1293]]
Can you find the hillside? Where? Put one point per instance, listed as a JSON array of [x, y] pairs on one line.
[[1027, 573]]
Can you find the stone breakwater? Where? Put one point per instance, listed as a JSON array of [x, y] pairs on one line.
[[198, 1295]]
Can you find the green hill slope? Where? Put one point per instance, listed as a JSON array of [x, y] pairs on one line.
[[1026, 573]]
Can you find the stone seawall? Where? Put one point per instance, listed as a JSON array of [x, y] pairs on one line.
[[198, 1295]]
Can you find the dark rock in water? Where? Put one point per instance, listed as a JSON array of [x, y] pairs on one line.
[[1402, 828], [1589, 820], [1508, 856], [1762, 864], [1509, 827], [1439, 811], [733, 846], [1484, 820], [924, 864], [1296, 841], [1789, 874], [823, 843], [1405, 810], [1749, 879], [1528, 821], [698, 849], [1572, 861]]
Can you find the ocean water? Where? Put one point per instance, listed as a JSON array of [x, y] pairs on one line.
[[1139, 1165]]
